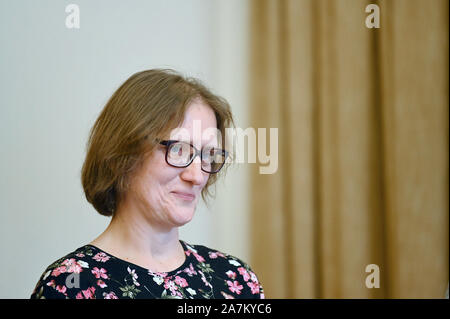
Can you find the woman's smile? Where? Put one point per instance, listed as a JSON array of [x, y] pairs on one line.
[[185, 196]]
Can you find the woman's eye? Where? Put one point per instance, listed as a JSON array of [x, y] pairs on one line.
[[175, 148], [209, 155], [180, 150]]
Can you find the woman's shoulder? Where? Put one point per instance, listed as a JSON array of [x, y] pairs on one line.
[[69, 275], [220, 259], [237, 275], [210, 253]]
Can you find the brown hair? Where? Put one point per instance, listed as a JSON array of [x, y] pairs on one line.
[[144, 108]]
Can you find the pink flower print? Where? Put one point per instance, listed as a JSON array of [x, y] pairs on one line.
[[132, 273], [204, 279], [231, 274], [199, 258], [89, 293], [242, 270], [101, 257], [58, 271], [51, 283], [168, 284], [214, 255], [134, 276], [100, 273], [101, 283], [227, 296], [80, 255], [72, 266], [181, 281], [61, 289], [187, 252], [234, 286], [254, 287], [111, 295], [190, 271], [86, 294], [244, 273], [253, 277]]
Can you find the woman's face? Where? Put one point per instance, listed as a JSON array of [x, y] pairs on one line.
[[168, 195]]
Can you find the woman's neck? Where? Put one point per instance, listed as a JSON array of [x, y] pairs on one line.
[[131, 237]]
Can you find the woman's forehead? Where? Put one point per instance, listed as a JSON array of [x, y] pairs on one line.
[[199, 114], [199, 126]]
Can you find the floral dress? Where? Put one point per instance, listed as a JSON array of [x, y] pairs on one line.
[[91, 273]]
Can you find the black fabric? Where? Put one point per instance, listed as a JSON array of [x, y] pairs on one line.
[[91, 273]]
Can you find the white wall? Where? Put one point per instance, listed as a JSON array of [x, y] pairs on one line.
[[54, 82]]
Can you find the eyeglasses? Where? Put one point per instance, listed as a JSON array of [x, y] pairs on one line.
[[182, 154]]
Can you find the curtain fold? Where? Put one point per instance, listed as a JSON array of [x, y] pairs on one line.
[[362, 118]]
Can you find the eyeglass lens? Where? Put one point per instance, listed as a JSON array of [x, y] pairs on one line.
[[180, 154]]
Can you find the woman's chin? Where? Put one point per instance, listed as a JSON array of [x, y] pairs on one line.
[[183, 216]]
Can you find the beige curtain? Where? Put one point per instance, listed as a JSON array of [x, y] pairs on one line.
[[362, 118]]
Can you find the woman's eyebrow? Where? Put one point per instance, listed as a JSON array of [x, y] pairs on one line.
[[211, 142], [206, 143]]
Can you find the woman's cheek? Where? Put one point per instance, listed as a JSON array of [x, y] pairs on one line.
[[205, 181]]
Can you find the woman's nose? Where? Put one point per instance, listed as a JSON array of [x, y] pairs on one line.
[[193, 173]]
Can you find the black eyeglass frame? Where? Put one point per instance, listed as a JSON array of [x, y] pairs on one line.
[[168, 143]]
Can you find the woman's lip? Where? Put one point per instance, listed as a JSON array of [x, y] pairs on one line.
[[185, 196]]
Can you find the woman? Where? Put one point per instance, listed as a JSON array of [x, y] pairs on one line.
[[151, 154]]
